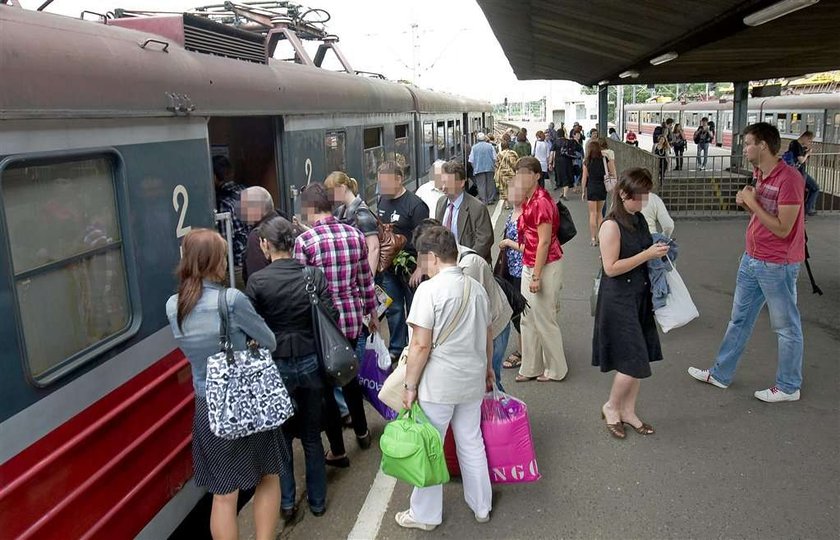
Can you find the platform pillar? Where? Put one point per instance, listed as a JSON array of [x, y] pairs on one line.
[[739, 120], [603, 110]]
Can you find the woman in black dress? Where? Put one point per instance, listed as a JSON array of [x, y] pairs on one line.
[[595, 168], [625, 337]]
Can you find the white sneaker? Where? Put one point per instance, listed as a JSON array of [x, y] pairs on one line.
[[774, 395], [484, 519], [404, 519], [703, 375]]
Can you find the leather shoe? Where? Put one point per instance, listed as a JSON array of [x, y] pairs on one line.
[[288, 514], [364, 441], [341, 463], [318, 513]]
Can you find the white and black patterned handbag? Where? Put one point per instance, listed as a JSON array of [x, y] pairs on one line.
[[245, 393]]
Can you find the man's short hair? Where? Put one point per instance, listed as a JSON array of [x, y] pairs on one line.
[[530, 163], [669, 121], [807, 133], [390, 167], [762, 131], [315, 196], [438, 240], [704, 119], [455, 167]]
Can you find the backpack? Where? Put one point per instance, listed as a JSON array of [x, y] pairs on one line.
[[788, 158], [566, 231], [517, 302]]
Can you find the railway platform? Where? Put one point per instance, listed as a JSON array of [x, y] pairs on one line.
[[721, 464]]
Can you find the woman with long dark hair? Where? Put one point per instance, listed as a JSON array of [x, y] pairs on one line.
[[223, 466], [279, 294], [625, 337], [595, 168]]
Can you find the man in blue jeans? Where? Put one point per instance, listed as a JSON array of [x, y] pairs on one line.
[[769, 268], [404, 211]]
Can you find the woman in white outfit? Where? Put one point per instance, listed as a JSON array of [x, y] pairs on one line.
[[448, 371], [542, 149]]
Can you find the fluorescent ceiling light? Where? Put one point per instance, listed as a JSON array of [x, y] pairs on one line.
[[779, 9], [630, 73], [662, 58], [605, 82]]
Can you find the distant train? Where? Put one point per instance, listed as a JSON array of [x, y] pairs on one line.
[[106, 137], [791, 114]]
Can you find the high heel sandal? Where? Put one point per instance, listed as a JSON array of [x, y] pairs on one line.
[[617, 429], [644, 429]]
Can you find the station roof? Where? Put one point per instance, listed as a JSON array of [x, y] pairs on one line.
[[593, 41]]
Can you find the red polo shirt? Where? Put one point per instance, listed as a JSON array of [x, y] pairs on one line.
[[784, 186], [540, 208]]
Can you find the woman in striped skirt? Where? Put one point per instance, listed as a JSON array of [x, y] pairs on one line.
[[223, 466]]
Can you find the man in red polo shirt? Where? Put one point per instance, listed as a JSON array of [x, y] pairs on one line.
[[769, 268], [543, 358]]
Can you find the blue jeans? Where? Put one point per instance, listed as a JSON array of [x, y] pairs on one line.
[[401, 294], [761, 282], [812, 191], [499, 349], [302, 378], [702, 147]]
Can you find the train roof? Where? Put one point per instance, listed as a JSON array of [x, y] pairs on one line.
[[800, 101], [57, 66]]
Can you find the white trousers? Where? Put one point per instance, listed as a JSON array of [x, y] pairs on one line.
[[427, 503]]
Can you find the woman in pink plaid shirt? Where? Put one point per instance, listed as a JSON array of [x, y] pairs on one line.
[[341, 252]]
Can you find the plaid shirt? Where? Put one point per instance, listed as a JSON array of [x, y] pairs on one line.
[[227, 199], [341, 252]]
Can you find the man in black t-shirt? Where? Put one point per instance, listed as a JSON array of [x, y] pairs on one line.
[[405, 211], [801, 150]]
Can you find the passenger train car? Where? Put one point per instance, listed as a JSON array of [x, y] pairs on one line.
[[791, 114], [106, 137]]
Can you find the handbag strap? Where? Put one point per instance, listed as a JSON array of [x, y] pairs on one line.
[[225, 344], [457, 318], [308, 273]]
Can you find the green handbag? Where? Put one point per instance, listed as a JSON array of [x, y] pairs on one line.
[[412, 449]]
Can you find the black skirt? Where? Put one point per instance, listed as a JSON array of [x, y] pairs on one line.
[[625, 337], [223, 466]]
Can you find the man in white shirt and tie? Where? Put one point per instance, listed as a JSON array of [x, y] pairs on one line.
[[432, 190], [463, 214]]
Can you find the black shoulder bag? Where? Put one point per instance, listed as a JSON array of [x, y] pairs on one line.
[[338, 359]]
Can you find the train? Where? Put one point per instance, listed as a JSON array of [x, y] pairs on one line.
[[107, 132], [792, 115]]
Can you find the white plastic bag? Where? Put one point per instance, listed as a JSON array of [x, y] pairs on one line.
[[376, 344], [679, 309]]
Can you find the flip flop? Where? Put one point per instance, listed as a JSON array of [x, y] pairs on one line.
[[523, 378]]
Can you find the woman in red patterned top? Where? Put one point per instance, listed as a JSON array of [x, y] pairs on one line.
[[543, 358]]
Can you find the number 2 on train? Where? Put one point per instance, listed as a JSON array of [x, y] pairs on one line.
[[181, 207]]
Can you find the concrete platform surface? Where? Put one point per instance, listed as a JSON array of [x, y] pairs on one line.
[[721, 464]]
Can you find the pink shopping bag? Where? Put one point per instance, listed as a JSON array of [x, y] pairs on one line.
[[507, 439]]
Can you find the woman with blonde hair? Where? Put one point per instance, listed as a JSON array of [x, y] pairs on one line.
[[351, 209], [223, 466], [505, 169]]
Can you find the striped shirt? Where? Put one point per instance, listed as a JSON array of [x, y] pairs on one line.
[[341, 252]]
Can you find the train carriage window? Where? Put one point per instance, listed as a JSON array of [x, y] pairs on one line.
[[458, 136], [334, 148], [402, 150], [440, 140], [450, 137], [67, 258], [752, 118], [374, 155], [781, 122], [795, 123], [814, 123], [429, 140]]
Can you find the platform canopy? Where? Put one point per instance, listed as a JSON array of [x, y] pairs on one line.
[[598, 40]]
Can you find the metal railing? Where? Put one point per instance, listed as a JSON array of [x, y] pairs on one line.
[[707, 186]]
